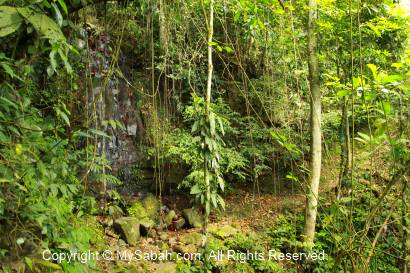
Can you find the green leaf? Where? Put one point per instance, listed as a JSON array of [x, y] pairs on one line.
[[364, 138], [82, 134], [57, 14], [63, 6], [385, 107], [53, 60], [358, 82], [212, 123], [221, 183], [43, 24], [221, 202], [99, 133], [65, 60], [9, 70], [195, 189], [237, 16], [10, 20], [9, 102], [62, 115], [228, 49], [391, 78], [213, 198], [373, 68], [221, 126], [343, 93]]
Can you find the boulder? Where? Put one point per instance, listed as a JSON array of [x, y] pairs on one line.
[[138, 210], [179, 223], [146, 224], [167, 267], [222, 232], [169, 218], [181, 248], [128, 228], [193, 217], [163, 236], [152, 233], [193, 238], [121, 243]]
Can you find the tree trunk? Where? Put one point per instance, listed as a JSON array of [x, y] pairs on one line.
[[207, 105], [315, 119], [346, 153]]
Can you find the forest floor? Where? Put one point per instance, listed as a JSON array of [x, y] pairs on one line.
[[246, 211]]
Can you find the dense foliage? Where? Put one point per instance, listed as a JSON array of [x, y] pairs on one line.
[[61, 62]]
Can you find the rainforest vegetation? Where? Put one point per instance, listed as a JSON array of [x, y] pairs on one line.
[[204, 136]]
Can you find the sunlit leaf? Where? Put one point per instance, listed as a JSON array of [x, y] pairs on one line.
[[10, 20]]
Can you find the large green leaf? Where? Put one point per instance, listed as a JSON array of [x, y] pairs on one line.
[[10, 20], [43, 24]]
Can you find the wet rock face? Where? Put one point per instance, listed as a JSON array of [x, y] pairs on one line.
[[112, 99]]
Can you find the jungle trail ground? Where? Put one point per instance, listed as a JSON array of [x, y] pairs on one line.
[[204, 136]]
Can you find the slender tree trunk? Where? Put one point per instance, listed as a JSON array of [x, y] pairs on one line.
[[405, 250], [315, 120], [207, 104], [346, 153]]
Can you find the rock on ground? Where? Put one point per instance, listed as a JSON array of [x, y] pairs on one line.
[[167, 267], [129, 229], [193, 217]]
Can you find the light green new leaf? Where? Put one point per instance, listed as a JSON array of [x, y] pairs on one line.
[[343, 93], [10, 20], [385, 106], [373, 68], [29, 263], [195, 189]]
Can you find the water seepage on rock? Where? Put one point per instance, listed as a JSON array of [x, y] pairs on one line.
[[169, 217], [128, 228], [193, 238], [193, 217], [167, 267], [222, 232]]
